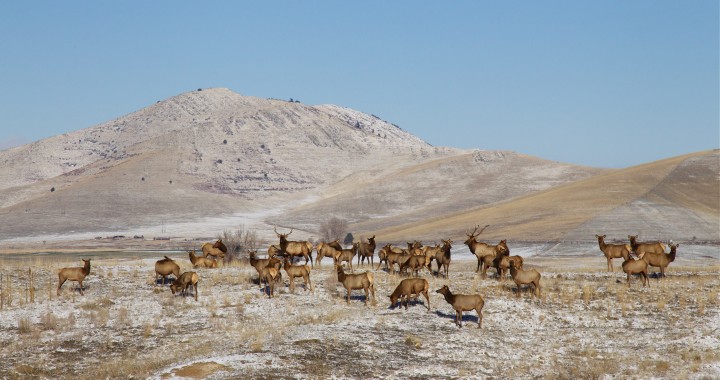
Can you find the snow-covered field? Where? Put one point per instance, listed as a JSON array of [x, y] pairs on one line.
[[586, 324]]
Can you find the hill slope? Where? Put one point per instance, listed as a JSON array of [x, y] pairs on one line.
[[676, 198]]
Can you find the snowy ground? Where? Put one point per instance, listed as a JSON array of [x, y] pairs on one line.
[[586, 324]]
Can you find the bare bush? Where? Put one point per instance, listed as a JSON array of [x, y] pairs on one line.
[[240, 240], [333, 229]]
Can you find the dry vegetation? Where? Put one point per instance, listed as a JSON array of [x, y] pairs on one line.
[[586, 324]]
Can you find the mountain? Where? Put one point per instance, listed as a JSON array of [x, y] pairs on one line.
[[212, 159]]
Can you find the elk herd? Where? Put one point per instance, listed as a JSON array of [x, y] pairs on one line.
[[411, 261]]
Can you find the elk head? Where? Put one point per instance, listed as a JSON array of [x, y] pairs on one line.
[[471, 236], [282, 236]]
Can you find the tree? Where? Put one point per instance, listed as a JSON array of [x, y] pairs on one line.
[[349, 239], [333, 229]]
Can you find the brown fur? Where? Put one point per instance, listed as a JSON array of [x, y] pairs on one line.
[[525, 277], [186, 279], [409, 287], [462, 302], [271, 276], [485, 253], [210, 249], [651, 247], [199, 261], [327, 250], [364, 281], [294, 271], [164, 268], [397, 258], [613, 251], [367, 251], [74, 274], [294, 248], [260, 264], [632, 266], [383, 255], [345, 255], [661, 260], [415, 263]]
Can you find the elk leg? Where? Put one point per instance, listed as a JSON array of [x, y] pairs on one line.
[[81, 288], [196, 292], [425, 293], [458, 318], [480, 316]]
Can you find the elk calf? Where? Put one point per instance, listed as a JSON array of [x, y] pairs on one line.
[[74, 274], [409, 287], [186, 279], [632, 266], [260, 264], [270, 275], [294, 271], [462, 302]]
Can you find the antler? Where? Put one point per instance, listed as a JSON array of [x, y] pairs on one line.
[[288, 234], [473, 234]]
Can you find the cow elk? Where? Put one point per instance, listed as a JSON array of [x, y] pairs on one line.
[[367, 251], [463, 302], [327, 250], [613, 251], [660, 260], [345, 255], [216, 250], [409, 287], [651, 247], [199, 261], [74, 274], [186, 279], [525, 277], [352, 282], [164, 268], [415, 263]]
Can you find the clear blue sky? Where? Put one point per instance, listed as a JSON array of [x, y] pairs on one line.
[[599, 83]]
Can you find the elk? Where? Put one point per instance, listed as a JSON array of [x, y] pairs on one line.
[[351, 282], [525, 277], [270, 275], [294, 271], [383, 255], [661, 260], [480, 250], [294, 248], [613, 251], [186, 279], [502, 262], [632, 266], [652, 247], [345, 255], [397, 258], [367, 251], [463, 302], [273, 250], [74, 274], [215, 250], [164, 268], [409, 287], [260, 264], [443, 257], [327, 250], [415, 263], [199, 261]]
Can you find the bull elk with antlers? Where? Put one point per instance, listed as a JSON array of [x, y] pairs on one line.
[[295, 248], [484, 252]]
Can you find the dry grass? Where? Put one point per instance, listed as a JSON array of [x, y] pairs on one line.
[[582, 320]]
